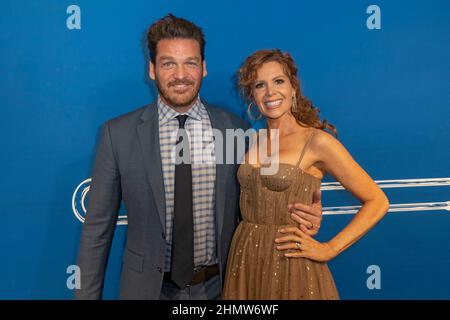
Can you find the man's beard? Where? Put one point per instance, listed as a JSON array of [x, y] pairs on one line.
[[174, 100]]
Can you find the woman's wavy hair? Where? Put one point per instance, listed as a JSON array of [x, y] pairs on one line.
[[305, 113]]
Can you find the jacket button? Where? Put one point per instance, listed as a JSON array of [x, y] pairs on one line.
[[163, 235], [159, 269]]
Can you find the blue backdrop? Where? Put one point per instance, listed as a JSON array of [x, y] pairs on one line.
[[386, 90]]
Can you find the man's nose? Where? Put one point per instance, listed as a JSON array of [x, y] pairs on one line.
[[180, 72]]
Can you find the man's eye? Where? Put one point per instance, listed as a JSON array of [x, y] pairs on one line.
[[168, 64], [192, 64]]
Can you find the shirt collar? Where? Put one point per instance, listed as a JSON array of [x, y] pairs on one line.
[[166, 113]]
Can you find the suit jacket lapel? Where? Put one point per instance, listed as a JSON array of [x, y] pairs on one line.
[[148, 133]]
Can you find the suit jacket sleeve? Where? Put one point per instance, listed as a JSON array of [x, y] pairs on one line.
[[101, 218]]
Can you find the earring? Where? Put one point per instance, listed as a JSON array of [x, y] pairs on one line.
[[294, 104], [249, 113]]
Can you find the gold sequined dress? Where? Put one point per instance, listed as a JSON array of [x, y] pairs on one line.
[[256, 270]]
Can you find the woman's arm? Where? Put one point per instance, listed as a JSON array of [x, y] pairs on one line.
[[332, 156]]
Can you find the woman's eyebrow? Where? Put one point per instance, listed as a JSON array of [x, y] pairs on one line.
[[279, 76]]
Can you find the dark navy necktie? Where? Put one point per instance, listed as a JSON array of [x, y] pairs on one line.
[[183, 222]]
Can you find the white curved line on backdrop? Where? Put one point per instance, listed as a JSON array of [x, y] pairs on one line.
[[400, 207], [399, 183], [327, 186]]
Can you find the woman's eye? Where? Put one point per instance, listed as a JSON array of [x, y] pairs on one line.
[[279, 81], [259, 85]]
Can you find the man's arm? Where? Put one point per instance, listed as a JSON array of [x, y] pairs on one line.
[[101, 218]]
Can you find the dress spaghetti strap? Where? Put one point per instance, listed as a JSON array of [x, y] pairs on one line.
[[306, 145]]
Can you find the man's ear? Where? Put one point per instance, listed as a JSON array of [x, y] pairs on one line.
[[204, 69], [151, 70]]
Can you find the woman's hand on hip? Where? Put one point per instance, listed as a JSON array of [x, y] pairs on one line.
[[302, 245]]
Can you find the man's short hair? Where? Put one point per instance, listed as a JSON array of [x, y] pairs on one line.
[[171, 27]]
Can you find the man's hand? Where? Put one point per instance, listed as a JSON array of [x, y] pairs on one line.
[[309, 217]]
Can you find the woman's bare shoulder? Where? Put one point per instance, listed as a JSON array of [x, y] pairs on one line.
[[322, 139]]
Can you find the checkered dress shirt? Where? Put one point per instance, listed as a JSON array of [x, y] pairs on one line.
[[200, 134]]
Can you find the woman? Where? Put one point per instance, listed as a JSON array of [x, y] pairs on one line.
[[270, 257]]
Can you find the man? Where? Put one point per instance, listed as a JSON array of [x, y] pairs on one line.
[[181, 216]]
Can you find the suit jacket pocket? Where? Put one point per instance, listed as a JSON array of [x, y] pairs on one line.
[[133, 261]]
